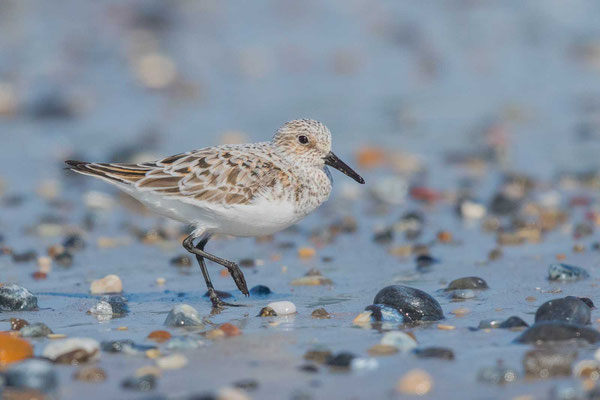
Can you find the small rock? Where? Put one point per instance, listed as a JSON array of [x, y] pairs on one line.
[[118, 305], [497, 375], [384, 236], [413, 304], [159, 336], [36, 330], [383, 313], [470, 282], [564, 272], [126, 346], [470, 209], [109, 284], [402, 341], [555, 331], [320, 313], [568, 309], [545, 363], [13, 349], [183, 315], [306, 252], [364, 364], [64, 259], [260, 290], [181, 261], [16, 298], [311, 280], [489, 324], [72, 351], [183, 343], [435, 352], [16, 324], [415, 382], [230, 329], [382, 350], [247, 384], [318, 356], [266, 312], [282, 307], [229, 393], [102, 311], [425, 261], [90, 374], [32, 374], [173, 361], [74, 243], [26, 256], [513, 322], [341, 360], [142, 383], [462, 294]]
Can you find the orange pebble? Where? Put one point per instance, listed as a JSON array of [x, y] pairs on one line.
[[306, 252], [444, 237], [13, 348], [560, 257], [230, 329], [159, 336], [224, 273], [370, 157], [37, 275]]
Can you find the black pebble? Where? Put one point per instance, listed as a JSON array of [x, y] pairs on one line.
[[26, 256], [64, 259], [513, 322], [469, 282], [260, 290], [568, 309], [555, 331], [413, 304], [341, 360], [435, 352], [142, 383], [73, 243], [425, 261]]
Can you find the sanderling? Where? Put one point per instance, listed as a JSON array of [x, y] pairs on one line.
[[252, 189]]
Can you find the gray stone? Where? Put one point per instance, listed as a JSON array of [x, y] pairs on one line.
[[16, 298], [32, 374], [413, 304], [183, 315]]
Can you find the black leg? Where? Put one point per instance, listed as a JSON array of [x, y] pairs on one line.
[[200, 254]]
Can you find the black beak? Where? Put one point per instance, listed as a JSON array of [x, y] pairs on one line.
[[333, 161]]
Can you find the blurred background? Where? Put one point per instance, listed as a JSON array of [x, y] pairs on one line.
[[455, 80]]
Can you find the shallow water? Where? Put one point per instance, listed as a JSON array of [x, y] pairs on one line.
[[424, 78]]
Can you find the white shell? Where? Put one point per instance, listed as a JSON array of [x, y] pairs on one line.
[[283, 307], [60, 347]]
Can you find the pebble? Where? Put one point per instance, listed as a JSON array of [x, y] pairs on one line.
[[382, 350], [260, 291], [513, 322], [32, 374], [554, 331], [183, 343], [462, 294], [36, 330], [90, 374], [306, 252], [109, 284], [470, 282], [383, 313], [142, 383], [229, 393], [125, 346], [230, 329], [425, 261], [282, 307], [364, 364], [498, 375], [181, 261], [26, 256], [435, 352], [402, 341], [320, 313], [16, 324], [341, 360], [266, 312], [568, 309], [173, 361], [16, 298], [64, 259], [183, 315], [489, 324], [318, 356], [413, 304], [159, 336], [13, 349], [384, 236], [72, 351], [471, 209], [415, 382], [102, 311], [545, 363], [564, 272], [311, 280], [74, 243]]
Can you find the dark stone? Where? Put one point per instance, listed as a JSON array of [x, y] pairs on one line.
[[16, 298], [513, 322], [384, 237], [26, 256], [247, 384], [32, 374], [142, 383], [546, 363], [497, 375], [221, 294], [64, 259], [565, 272], [318, 356], [470, 282], [383, 313], [554, 331], [425, 261], [74, 243], [181, 261], [341, 360], [568, 309], [413, 304], [260, 290], [320, 313], [311, 368], [124, 345], [435, 352], [501, 204], [118, 304]]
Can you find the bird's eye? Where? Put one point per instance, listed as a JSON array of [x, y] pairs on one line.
[[303, 139]]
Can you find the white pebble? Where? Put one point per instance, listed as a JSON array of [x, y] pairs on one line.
[[364, 364], [400, 340], [108, 284], [282, 307], [58, 348], [173, 361]]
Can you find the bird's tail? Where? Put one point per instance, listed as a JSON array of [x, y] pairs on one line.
[[116, 173]]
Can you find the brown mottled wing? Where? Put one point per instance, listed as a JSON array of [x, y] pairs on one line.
[[223, 175]]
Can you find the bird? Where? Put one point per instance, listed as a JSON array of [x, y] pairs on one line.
[[241, 190]]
